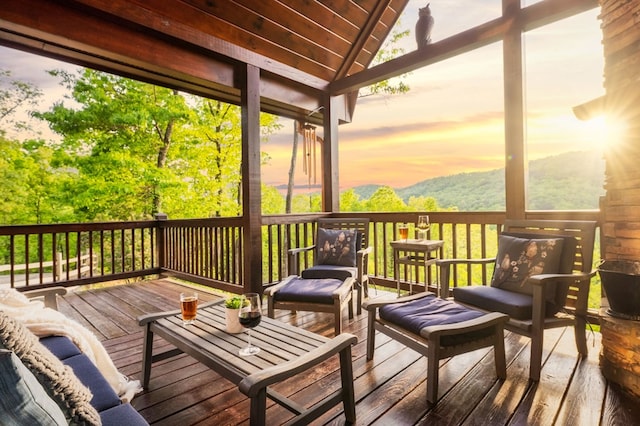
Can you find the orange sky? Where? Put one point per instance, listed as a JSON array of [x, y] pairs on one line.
[[451, 121]]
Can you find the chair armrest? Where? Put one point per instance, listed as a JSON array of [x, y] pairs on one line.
[[292, 255], [541, 279], [580, 280], [254, 383], [373, 304], [444, 268], [463, 327], [50, 295]]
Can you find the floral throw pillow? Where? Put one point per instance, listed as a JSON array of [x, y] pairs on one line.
[[336, 247], [519, 258]]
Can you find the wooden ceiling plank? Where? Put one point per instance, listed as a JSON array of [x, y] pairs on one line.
[[187, 24], [248, 28], [312, 29], [324, 17], [542, 13]]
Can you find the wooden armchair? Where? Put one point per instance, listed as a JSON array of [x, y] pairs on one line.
[[544, 286], [338, 254]]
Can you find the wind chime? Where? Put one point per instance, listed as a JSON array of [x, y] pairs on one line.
[[309, 151]]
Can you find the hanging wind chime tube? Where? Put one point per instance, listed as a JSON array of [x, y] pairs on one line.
[[309, 152]]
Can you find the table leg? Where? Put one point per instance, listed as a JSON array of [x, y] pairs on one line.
[[346, 373], [258, 409], [396, 268], [147, 355]]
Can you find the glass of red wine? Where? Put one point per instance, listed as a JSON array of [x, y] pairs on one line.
[[249, 315]]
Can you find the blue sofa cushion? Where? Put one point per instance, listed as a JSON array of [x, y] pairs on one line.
[[103, 394], [308, 290], [23, 400], [122, 415], [61, 347], [431, 310]]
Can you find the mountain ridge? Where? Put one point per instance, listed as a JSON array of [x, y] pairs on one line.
[[567, 181]]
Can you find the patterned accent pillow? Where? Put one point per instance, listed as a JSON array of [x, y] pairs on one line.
[[519, 258], [23, 400], [56, 378], [336, 247]]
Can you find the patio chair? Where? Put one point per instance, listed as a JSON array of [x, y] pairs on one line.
[[341, 250], [541, 280]]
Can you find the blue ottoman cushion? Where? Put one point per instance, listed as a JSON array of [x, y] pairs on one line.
[[431, 310], [308, 290]]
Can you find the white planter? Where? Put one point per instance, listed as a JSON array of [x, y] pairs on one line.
[[233, 322]]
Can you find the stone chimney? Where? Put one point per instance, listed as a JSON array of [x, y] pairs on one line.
[[621, 204], [620, 207]]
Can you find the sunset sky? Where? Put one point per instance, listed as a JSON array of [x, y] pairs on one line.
[[451, 121]]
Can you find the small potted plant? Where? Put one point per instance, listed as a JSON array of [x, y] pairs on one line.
[[232, 311]]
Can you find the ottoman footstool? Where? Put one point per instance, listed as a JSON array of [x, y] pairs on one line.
[[315, 295], [436, 328]]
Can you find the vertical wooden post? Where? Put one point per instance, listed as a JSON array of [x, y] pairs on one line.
[[160, 241], [515, 154], [251, 193], [330, 181]]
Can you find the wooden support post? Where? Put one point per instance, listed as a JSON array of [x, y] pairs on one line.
[[515, 154], [330, 175], [251, 192]]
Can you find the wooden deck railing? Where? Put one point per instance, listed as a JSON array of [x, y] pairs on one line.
[[37, 256], [211, 252]]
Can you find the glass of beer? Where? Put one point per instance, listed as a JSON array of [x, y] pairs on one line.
[[189, 307], [403, 231]]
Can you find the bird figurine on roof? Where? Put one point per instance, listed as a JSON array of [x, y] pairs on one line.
[[424, 26]]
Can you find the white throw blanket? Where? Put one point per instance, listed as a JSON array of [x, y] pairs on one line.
[[43, 322]]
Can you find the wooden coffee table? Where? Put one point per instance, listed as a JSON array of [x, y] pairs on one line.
[[285, 351]]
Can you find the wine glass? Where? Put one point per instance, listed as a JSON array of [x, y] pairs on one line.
[[423, 226], [249, 314]]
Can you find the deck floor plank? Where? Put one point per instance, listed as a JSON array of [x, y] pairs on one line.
[[390, 389]]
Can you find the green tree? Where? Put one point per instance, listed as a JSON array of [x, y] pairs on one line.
[[15, 95], [141, 149], [385, 200], [350, 201]]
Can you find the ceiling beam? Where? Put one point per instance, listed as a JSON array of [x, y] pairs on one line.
[[531, 17], [363, 36]]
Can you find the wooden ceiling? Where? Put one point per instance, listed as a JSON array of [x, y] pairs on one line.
[[300, 46]]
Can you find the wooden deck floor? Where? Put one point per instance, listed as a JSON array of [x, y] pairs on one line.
[[390, 390]]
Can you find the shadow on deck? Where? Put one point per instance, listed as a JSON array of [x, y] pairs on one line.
[[390, 390]]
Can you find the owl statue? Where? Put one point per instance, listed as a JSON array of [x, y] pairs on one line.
[[424, 26]]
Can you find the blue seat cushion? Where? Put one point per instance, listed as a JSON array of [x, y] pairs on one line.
[[516, 305], [330, 271], [121, 415], [308, 290], [61, 347], [431, 310], [103, 394]]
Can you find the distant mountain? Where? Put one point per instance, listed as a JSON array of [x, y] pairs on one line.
[[568, 181]]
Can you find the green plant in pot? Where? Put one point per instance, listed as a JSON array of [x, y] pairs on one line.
[[233, 304]]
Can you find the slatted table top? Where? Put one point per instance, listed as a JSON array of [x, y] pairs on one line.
[[207, 341]]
